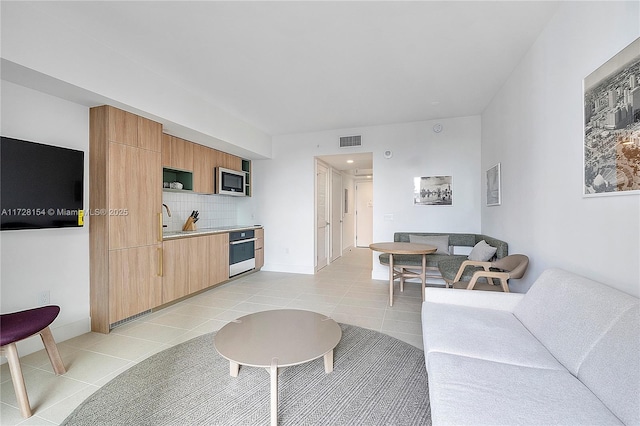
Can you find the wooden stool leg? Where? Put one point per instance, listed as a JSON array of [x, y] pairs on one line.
[[18, 379], [52, 351]]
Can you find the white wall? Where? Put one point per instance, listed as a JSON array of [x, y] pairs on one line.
[[54, 260], [284, 185], [534, 128]]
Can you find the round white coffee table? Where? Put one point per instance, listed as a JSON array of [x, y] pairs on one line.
[[276, 339]]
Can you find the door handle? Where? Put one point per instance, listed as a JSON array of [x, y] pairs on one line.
[[248, 240], [160, 261], [159, 227]]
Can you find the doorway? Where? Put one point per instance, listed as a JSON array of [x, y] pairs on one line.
[[336, 206]]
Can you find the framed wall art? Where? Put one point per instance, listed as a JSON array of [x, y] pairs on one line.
[[612, 126], [494, 190], [433, 191]]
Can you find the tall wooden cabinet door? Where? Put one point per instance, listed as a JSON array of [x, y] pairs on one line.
[[149, 134], [135, 197], [219, 258], [166, 150], [181, 154], [176, 266], [199, 253], [203, 165], [135, 284], [122, 127]]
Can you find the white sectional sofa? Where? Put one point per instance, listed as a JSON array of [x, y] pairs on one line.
[[565, 353]]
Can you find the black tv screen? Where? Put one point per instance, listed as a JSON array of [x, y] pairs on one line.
[[41, 186]]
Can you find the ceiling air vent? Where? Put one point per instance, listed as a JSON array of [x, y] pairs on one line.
[[347, 141]]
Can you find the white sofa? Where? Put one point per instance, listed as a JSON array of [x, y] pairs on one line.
[[565, 353]]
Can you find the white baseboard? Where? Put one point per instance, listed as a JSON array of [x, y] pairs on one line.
[[291, 269]]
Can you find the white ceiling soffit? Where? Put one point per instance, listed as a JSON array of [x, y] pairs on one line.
[[360, 161], [289, 67]]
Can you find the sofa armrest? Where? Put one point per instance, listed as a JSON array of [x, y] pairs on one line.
[[473, 298]]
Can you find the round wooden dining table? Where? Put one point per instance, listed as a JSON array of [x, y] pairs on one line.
[[402, 273]]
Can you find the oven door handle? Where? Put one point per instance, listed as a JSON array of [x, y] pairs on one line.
[[233, 243]]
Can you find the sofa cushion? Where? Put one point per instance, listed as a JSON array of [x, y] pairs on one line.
[[465, 390], [441, 242], [482, 333], [502, 248], [612, 368], [569, 314], [482, 252]]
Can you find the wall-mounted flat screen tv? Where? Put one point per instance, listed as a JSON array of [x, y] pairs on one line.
[[41, 186]]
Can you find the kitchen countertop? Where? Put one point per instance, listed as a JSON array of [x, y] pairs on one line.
[[170, 235]]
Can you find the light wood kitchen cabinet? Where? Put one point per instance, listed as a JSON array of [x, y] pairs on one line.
[[231, 162], [194, 263], [259, 248], [176, 268], [181, 154], [122, 126], [129, 129], [199, 272], [218, 258], [166, 150], [135, 177], [125, 193], [135, 284], [204, 163], [149, 135]]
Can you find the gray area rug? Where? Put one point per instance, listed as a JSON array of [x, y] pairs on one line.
[[377, 380]]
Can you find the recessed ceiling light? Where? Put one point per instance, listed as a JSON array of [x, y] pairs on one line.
[[349, 161]]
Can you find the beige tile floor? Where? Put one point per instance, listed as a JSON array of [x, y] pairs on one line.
[[342, 290]]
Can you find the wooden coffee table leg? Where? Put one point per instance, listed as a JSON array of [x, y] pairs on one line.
[[391, 279], [274, 392], [234, 367], [423, 276], [328, 361]]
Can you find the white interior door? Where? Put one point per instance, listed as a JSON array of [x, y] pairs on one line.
[[364, 214], [322, 215], [336, 215]]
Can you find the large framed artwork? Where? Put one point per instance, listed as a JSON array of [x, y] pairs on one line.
[[433, 191], [612, 126], [494, 196]]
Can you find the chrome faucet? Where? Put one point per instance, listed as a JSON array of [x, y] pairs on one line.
[[168, 211]]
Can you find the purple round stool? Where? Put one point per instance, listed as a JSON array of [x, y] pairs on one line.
[[17, 326]]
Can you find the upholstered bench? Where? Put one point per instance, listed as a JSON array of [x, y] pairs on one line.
[[444, 263]]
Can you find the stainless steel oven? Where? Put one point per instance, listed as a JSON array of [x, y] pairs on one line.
[[241, 252]]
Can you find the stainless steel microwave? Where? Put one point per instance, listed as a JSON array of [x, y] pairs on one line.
[[230, 182]]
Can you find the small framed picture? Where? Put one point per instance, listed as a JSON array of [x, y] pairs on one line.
[[433, 191], [494, 196]]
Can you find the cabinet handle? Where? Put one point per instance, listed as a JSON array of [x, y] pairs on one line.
[[159, 227], [160, 261]]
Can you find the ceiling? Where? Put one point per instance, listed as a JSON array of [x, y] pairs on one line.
[[290, 67]]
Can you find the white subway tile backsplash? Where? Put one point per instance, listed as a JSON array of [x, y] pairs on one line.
[[214, 210]]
